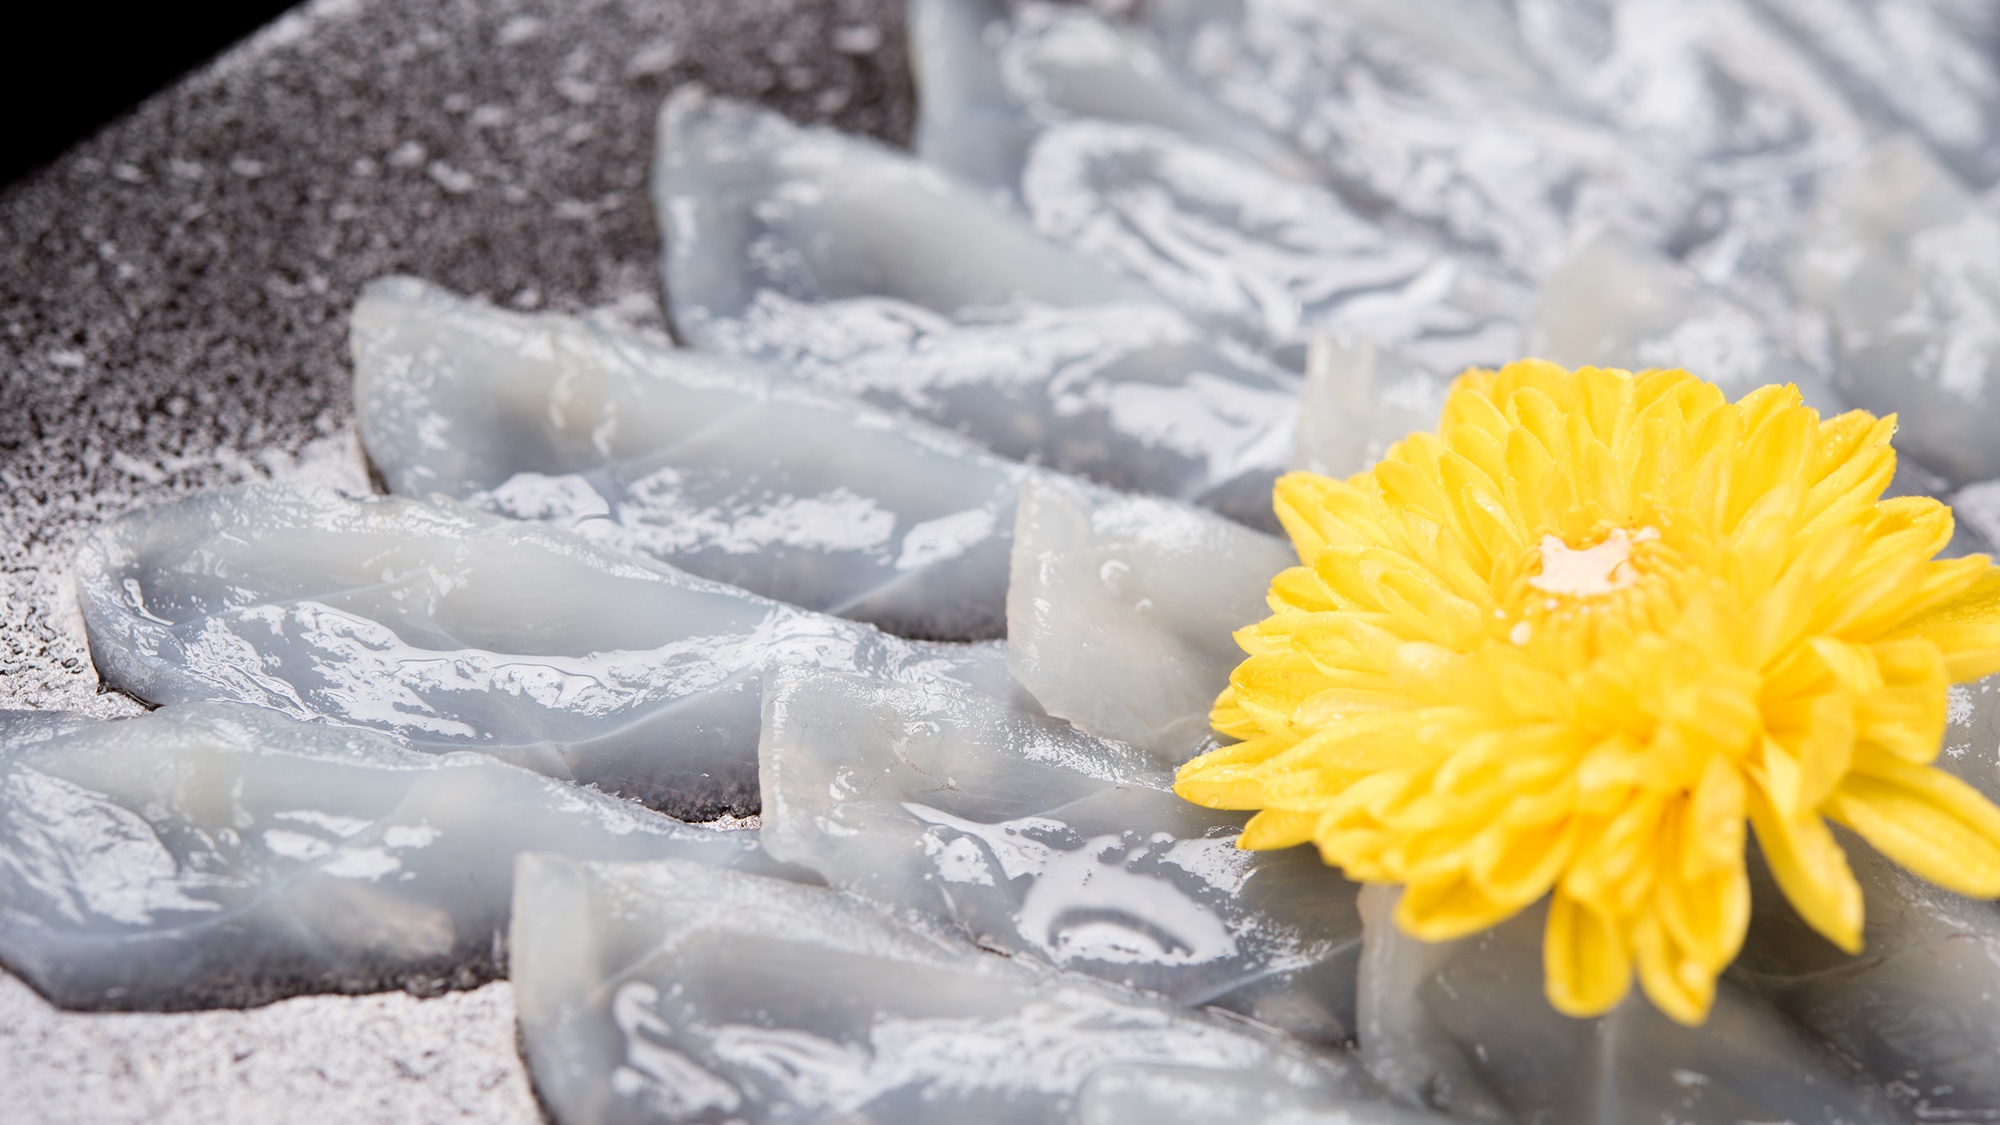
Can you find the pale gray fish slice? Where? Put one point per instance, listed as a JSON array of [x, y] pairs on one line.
[[1929, 66], [1428, 109], [1137, 1094], [1717, 84], [214, 855], [882, 277], [1044, 842], [1463, 1027], [710, 463], [1115, 156], [1904, 263], [457, 630], [674, 992], [992, 74], [1615, 303], [1122, 612], [1916, 1007]]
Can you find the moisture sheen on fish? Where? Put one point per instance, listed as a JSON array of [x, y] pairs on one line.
[[220, 855], [710, 463], [882, 277], [1929, 66], [992, 74], [1428, 109], [1111, 167], [1615, 303], [457, 630], [1122, 611], [674, 992], [1905, 264], [1463, 1027], [1042, 841], [1915, 1008]]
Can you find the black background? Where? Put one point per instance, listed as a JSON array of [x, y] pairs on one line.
[[74, 67]]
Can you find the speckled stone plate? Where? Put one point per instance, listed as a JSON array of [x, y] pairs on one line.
[[173, 299]]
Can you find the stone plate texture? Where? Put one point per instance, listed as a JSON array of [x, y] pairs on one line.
[[173, 295]]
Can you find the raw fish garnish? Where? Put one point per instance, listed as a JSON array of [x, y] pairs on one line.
[[1570, 643]]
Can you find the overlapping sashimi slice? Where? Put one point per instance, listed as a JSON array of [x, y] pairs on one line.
[[1463, 1027], [1138, 1094], [1929, 66], [674, 992], [1916, 1008], [216, 854], [992, 74], [1429, 108], [1615, 303], [1110, 167], [882, 277], [1122, 611], [1042, 841], [453, 629], [707, 462], [1905, 264]]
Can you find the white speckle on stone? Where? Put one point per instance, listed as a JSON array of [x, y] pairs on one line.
[[457, 181], [858, 39], [519, 30]]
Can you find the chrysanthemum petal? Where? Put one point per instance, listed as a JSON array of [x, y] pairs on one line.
[[1277, 828], [1966, 629], [1680, 986], [1812, 871], [1586, 962], [1925, 819], [1449, 908]]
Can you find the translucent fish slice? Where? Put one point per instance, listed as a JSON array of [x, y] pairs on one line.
[[1429, 109], [1905, 264], [1109, 160], [1926, 66], [1462, 1027], [1615, 303], [879, 276], [1915, 1009], [456, 630], [706, 462], [673, 992], [992, 74], [1045, 842], [221, 855], [1122, 611]]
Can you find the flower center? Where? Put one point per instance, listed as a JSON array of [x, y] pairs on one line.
[[1590, 571]]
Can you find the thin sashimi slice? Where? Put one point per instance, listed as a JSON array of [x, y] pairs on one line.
[[1905, 264], [1132, 1094], [1234, 244], [1929, 66], [457, 630], [879, 276], [707, 462], [1615, 303], [1358, 401], [1463, 1027], [221, 855], [1122, 611], [674, 992], [1915, 1008], [991, 74], [1045, 842], [1425, 108]]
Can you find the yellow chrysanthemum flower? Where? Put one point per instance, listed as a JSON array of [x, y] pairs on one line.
[[1571, 643]]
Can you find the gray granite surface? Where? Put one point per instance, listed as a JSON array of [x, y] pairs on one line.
[[172, 318]]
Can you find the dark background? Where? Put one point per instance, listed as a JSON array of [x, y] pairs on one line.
[[81, 65]]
